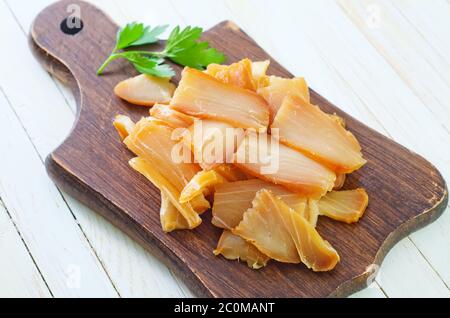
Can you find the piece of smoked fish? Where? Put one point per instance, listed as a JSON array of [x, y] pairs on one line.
[[306, 128], [233, 247], [284, 235], [201, 95]]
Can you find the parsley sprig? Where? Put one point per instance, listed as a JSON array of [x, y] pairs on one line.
[[182, 47]]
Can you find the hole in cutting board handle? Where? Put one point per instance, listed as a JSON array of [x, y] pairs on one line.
[[72, 25]]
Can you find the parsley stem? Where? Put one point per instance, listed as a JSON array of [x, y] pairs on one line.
[[111, 58], [115, 56]]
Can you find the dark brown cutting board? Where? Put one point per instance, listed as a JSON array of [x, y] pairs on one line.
[[406, 192]]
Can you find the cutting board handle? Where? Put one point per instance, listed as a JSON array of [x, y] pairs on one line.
[[70, 30]]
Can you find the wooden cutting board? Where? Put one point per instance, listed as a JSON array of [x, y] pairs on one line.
[[406, 192]]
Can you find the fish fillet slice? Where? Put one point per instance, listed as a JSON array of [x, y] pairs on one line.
[[214, 142], [124, 126], [200, 184], [233, 247], [259, 70], [172, 117], [263, 226], [277, 88], [201, 95], [340, 180], [190, 215], [345, 206], [315, 252], [153, 142], [232, 199], [311, 212], [171, 218], [305, 127], [284, 235], [230, 172], [145, 90], [238, 74], [279, 164]]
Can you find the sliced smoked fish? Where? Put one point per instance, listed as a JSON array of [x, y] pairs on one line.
[[338, 119], [284, 235], [275, 89], [230, 172], [171, 218], [345, 206], [311, 212], [124, 125], [305, 127], [145, 90], [340, 180], [263, 226], [154, 143], [199, 203], [214, 142], [233, 247], [238, 74], [200, 184], [259, 70], [201, 95], [172, 117], [232, 199], [152, 140], [147, 170], [282, 165]]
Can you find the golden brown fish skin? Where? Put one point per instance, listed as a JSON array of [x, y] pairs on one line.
[[238, 74], [344, 206], [233, 247]]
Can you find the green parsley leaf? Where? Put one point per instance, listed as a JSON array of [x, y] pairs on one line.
[[198, 56], [131, 33], [183, 48], [149, 65], [150, 35]]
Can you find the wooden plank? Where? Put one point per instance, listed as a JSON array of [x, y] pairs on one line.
[[424, 283], [410, 37], [19, 276], [53, 238], [431, 22], [134, 272], [414, 59], [193, 12], [343, 66]]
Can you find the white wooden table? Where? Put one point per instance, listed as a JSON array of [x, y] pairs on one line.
[[385, 62]]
